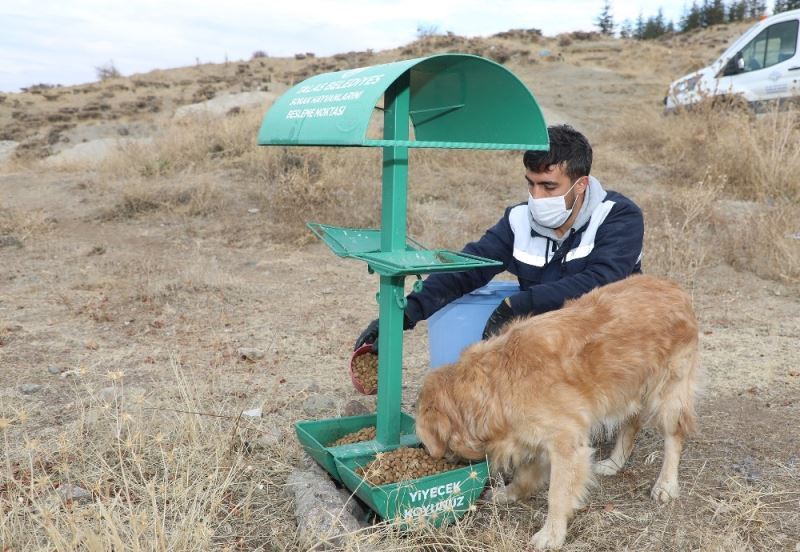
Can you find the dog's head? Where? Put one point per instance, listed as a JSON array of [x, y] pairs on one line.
[[441, 423]]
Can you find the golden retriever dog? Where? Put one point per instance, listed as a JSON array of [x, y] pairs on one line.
[[622, 356]]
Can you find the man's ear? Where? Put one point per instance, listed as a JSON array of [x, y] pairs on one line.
[[583, 183]]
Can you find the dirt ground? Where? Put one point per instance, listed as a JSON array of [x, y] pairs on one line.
[[167, 298]]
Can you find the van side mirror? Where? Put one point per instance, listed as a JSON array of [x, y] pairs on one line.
[[734, 66]]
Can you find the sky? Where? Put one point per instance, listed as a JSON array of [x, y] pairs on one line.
[[65, 41]]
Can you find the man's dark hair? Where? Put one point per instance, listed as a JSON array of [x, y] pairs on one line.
[[568, 148]]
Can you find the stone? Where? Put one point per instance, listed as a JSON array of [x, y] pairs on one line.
[[250, 353], [109, 394], [355, 408], [222, 104], [7, 148], [94, 151], [55, 370], [252, 413], [321, 510], [318, 404], [270, 437], [67, 491], [116, 394], [29, 388], [12, 327], [747, 467], [9, 241]]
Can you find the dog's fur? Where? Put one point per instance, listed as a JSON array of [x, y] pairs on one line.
[[623, 355]]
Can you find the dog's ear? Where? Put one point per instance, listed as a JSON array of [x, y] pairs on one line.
[[433, 429], [432, 424]]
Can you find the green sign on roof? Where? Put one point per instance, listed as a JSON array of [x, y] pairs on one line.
[[456, 101]]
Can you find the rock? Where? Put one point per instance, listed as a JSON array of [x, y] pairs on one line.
[[29, 388], [270, 437], [116, 394], [322, 513], [253, 210], [68, 491], [10, 241], [354, 408], [55, 370], [748, 469], [94, 151], [13, 327], [251, 354], [252, 413], [317, 404], [7, 148], [222, 104], [109, 394]]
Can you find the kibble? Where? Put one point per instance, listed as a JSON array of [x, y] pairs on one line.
[[402, 464], [365, 434], [365, 368]]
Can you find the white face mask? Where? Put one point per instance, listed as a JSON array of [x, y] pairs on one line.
[[551, 212]]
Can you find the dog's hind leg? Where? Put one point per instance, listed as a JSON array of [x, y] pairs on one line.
[[570, 470], [622, 448], [677, 420], [666, 486]]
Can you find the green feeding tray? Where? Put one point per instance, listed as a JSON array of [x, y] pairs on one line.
[[404, 263], [349, 242], [365, 244], [317, 435], [433, 500]]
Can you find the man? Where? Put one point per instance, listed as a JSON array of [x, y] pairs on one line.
[[570, 237]]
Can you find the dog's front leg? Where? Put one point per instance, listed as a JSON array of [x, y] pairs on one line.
[[528, 478], [569, 471]]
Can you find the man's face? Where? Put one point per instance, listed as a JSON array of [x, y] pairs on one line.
[[554, 182]]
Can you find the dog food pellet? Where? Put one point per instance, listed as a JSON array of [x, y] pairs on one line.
[[402, 464], [365, 367], [366, 434]]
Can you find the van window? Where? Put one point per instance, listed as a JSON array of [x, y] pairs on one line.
[[773, 45]]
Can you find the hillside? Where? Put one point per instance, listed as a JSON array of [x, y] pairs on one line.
[[46, 120]]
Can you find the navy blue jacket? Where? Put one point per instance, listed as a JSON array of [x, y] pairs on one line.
[[605, 248]]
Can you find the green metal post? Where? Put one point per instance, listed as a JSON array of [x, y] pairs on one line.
[[393, 238]]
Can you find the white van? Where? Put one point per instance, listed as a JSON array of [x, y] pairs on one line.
[[762, 65]]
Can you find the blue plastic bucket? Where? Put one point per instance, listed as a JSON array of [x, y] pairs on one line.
[[459, 324]]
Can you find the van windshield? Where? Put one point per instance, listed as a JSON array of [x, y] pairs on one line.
[[771, 46]]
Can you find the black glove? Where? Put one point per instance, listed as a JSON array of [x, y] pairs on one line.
[[370, 335], [501, 316]]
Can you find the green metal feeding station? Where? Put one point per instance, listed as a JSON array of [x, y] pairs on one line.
[[452, 101]]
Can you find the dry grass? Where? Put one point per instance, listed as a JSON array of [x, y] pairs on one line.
[[165, 473], [19, 226], [727, 189]]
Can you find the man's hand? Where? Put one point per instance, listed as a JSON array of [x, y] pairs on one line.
[[501, 316], [370, 335]]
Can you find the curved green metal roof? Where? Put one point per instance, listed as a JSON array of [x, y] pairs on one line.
[[456, 101]]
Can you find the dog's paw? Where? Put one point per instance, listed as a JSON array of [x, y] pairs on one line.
[[606, 467], [664, 491], [502, 495], [548, 539]]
